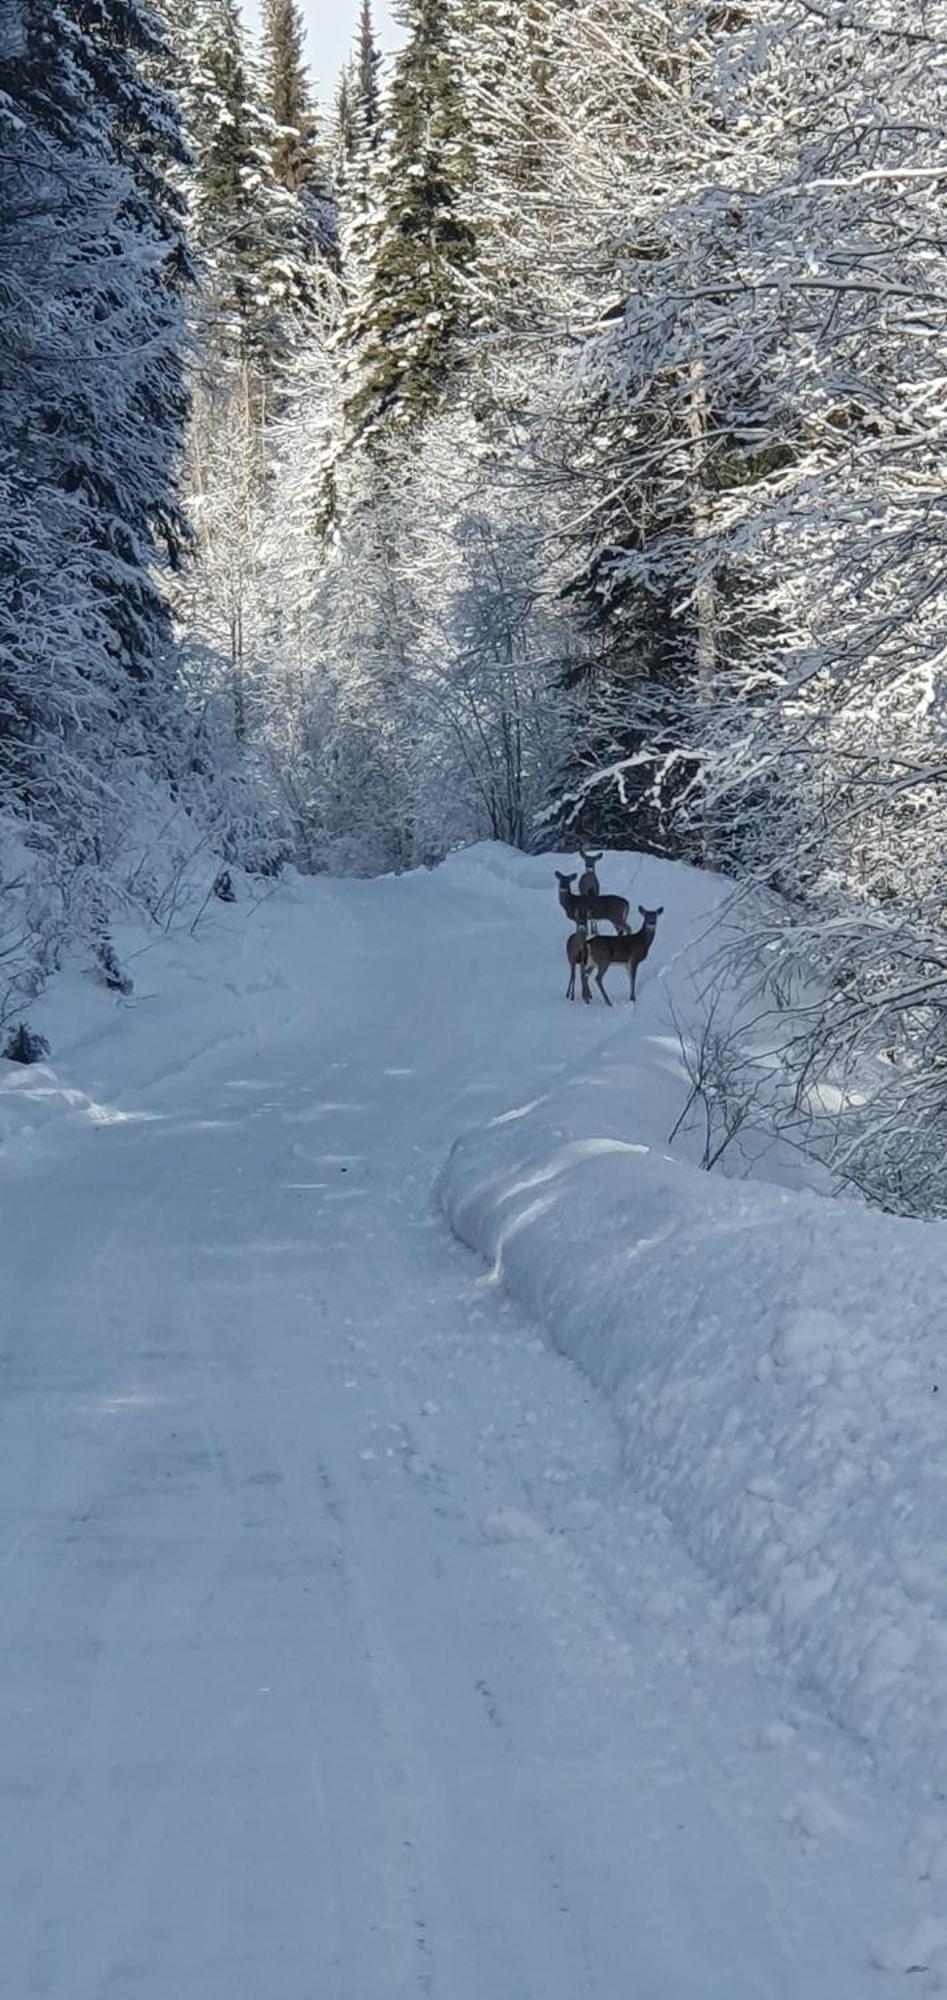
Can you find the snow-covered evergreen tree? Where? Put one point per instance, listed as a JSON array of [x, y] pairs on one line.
[[92, 408], [297, 158], [366, 84], [91, 398], [403, 329], [249, 277], [294, 150]]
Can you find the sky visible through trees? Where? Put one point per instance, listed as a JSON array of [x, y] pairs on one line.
[[330, 32]]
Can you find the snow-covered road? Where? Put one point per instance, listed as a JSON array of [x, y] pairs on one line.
[[339, 1659]]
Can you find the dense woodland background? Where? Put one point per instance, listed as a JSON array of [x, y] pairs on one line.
[[546, 441]]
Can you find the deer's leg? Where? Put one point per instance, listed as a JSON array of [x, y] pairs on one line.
[[599, 984], [570, 989], [632, 976]]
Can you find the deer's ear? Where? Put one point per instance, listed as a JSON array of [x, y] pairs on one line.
[[660, 911], [642, 912]]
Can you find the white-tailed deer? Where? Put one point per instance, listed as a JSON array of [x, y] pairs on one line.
[[608, 910], [585, 909], [577, 955], [588, 882], [631, 949], [573, 905]]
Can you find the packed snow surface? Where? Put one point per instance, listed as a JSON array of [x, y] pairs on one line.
[[356, 1643]]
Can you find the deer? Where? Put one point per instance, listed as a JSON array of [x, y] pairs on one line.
[[631, 949], [577, 955], [588, 882], [582, 909], [573, 905]]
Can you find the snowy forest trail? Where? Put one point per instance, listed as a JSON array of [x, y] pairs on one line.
[[341, 1661]]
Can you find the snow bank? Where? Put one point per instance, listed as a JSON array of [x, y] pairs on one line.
[[778, 1366]]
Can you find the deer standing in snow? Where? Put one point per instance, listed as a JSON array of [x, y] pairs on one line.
[[573, 905], [589, 882], [629, 949], [582, 909]]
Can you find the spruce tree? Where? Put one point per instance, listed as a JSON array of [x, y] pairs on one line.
[[367, 88], [262, 219], [358, 136], [358, 133], [294, 152], [296, 155], [356, 140], [405, 331], [228, 208], [356, 121], [342, 131]]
